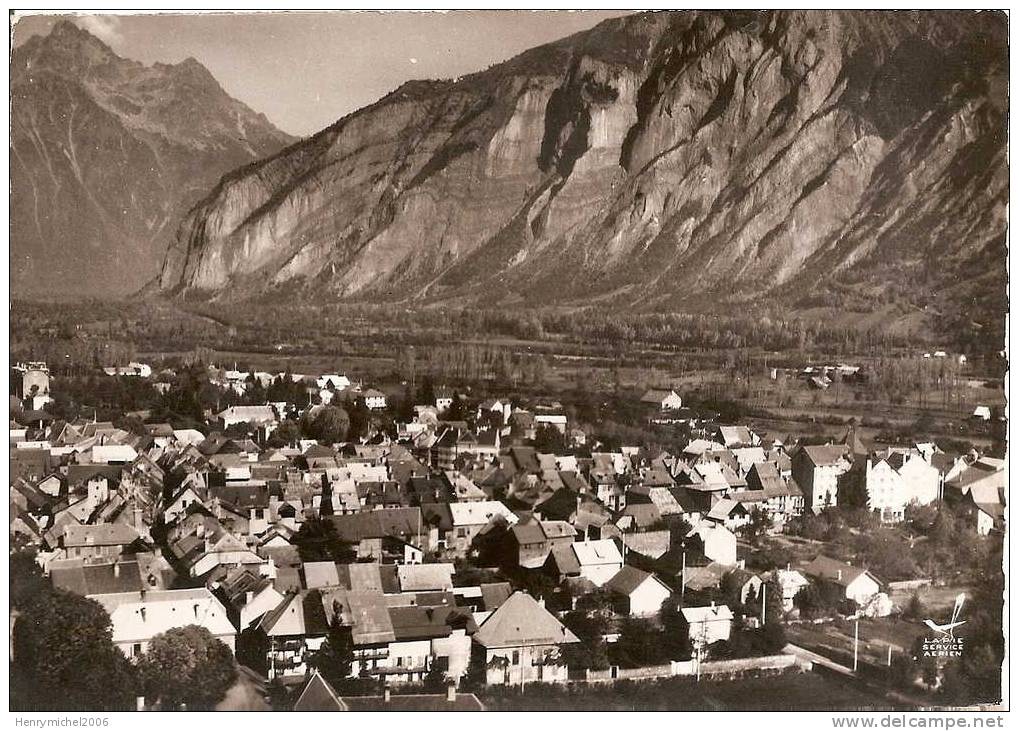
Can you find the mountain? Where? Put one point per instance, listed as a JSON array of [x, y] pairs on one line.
[[661, 160], [107, 156]]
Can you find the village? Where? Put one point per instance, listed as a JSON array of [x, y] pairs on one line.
[[356, 547]]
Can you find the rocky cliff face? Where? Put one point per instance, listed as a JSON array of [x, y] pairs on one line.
[[658, 160], [107, 156]]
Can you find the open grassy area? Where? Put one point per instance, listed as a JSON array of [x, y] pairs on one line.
[[789, 692]]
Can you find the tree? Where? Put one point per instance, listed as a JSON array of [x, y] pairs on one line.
[[818, 600], [548, 439], [335, 657], [63, 653], [640, 643], [327, 424], [317, 541], [187, 665], [915, 609], [284, 435]]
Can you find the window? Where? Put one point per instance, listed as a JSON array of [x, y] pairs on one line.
[[461, 532], [516, 657], [259, 514], [136, 649]]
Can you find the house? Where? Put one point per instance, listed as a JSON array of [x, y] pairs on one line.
[[535, 539], [788, 582], [707, 625], [247, 596], [333, 381], [87, 578], [780, 498], [296, 629], [715, 541], [257, 416], [113, 454], [520, 642], [98, 541], [556, 421], [139, 616], [897, 480], [988, 500], [597, 561], [379, 534], [374, 399], [857, 584], [664, 400], [469, 519], [443, 399], [732, 437], [730, 513], [318, 696], [982, 413], [745, 584], [817, 470], [642, 592]]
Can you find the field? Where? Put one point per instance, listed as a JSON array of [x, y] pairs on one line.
[[543, 356], [812, 691]]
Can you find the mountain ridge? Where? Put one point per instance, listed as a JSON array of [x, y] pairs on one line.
[[662, 161], [108, 154]]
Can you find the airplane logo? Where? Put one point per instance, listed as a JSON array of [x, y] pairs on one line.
[[948, 629]]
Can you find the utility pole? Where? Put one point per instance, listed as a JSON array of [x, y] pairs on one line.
[[764, 602], [682, 582], [856, 645]]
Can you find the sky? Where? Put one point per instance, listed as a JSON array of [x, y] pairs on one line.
[[305, 70]]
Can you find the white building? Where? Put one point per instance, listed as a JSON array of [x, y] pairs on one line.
[[644, 592], [137, 617], [709, 624]]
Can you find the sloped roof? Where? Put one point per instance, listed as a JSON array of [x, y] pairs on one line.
[[76, 576], [627, 580], [480, 513], [521, 621], [495, 595], [825, 454], [426, 577], [714, 613], [319, 696], [394, 522], [366, 613], [320, 573], [837, 572], [597, 553], [105, 534]]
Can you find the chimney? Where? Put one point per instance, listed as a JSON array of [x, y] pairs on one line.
[[248, 596], [386, 694], [116, 569], [839, 576], [451, 693]]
